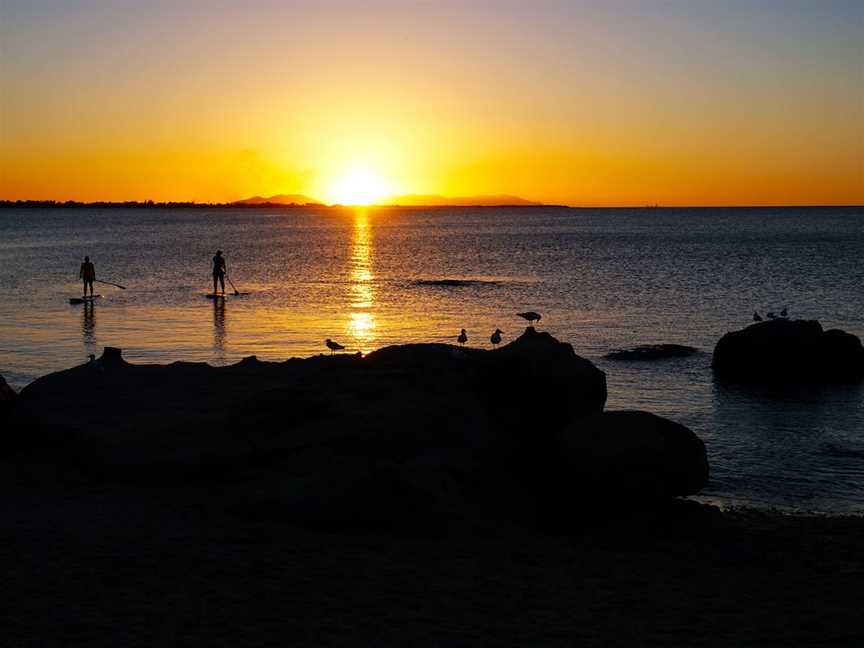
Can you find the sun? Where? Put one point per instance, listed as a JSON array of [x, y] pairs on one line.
[[361, 185]]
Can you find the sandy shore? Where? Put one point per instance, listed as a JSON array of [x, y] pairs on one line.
[[88, 564]]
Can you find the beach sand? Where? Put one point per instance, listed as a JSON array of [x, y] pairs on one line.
[[85, 563]]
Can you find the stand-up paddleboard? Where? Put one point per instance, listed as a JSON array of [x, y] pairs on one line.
[[221, 296], [84, 300]]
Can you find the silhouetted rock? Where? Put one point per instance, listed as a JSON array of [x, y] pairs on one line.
[[7, 398], [438, 424], [413, 430], [112, 356], [380, 438], [630, 455], [652, 352], [536, 384], [784, 350]]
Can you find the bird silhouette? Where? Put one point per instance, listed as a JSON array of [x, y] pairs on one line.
[[333, 346], [756, 316], [531, 316], [784, 312], [496, 337], [771, 315], [463, 338]]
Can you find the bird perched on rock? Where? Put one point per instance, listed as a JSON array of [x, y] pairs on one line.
[[496, 337], [333, 346], [463, 338], [784, 312], [756, 316], [531, 316]]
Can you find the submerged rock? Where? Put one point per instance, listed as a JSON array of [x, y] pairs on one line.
[[619, 456], [455, 283], [784, 350], [7, 399], [652, 352]]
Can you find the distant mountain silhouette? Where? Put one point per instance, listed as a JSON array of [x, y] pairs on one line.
[[431, 200], [279, 199], [286, 200]]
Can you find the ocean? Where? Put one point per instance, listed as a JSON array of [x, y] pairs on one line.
[[604, 279]]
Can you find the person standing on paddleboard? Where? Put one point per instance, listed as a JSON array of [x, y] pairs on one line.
[[219, 271], [87, 274]]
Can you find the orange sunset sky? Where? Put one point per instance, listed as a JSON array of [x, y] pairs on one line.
[[582, 103]]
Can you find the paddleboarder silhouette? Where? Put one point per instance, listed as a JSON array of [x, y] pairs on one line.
[[87, 274], [219, 271]]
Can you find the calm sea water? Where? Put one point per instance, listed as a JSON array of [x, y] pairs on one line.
[[603, 279]]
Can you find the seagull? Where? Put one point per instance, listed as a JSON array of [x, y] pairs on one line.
[[756, 316], [333, 346], [771, 316], [531, 316], [785, 312], [463, 338], [496, 337]]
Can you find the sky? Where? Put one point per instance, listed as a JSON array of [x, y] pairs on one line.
[[582, 102]]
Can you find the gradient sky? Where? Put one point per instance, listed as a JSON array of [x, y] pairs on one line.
[[586, 103]]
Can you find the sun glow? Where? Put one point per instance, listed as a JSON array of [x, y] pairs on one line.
[[360, 185]]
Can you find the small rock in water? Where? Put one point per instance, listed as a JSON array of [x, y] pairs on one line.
[[652, 352]]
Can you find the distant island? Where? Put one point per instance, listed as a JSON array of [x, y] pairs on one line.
[[404, 200], [279, 199], [430, 200], [291, 200]]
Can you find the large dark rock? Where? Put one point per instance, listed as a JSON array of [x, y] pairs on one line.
[[442, 427], [7, 399], [789, 350], [535, 385], [630, 455], [407, 430]]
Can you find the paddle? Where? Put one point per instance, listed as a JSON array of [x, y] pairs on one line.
[[236, 292], [110, 284]]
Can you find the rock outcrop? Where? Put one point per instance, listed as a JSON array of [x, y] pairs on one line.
[[7, 399], [411, 428], [784, 350], [646, 352], [422, 431], [629, 455]]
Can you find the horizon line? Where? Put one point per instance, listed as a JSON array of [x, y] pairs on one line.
[[50, 203]]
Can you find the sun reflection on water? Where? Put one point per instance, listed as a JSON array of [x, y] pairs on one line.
[[219, 329], [361, 321], [88, 326]]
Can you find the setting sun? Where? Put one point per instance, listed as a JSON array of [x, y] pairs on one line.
[[361, 185]]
